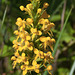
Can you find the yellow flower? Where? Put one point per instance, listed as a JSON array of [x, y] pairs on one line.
[[22, 8], [23, 67], [28, 37], [45, 5], [16, 32], [36, 66], [28, 9], [41, 54], [43, 39], [46, 21], [20, 59], [47, 41], [19, 19], [15, 42], [29, 6], [49, 68], [23, 54], [16, 54], [25, 70], [48, 27], [38, 53], [28, 45], [41, 21], [13, 58], [22, 35], [15, 46], [48, 57], [29, 20], [14, 64], [35, 32], [39, 11], [20, 22]]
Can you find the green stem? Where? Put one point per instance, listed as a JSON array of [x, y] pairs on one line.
[[56, 45], [4, 17]]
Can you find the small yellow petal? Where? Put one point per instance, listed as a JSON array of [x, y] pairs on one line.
[[42, 39], [16, 32], [24, 72], [30, 48], [19, 19], [34, 62], [28, 37], [33, 36], [16, 54], [13, 58], [39, 33], [29, 20], [23, 54], [39, 11], [49, 67], [37, 70]]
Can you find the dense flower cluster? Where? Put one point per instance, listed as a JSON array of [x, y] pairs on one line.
[[34, 43]]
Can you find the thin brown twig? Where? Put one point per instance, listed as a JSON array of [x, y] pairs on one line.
[[63, 14]]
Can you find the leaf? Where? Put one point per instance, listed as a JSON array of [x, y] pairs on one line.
[[63, 71], [3, 1], [39, 74], [12, 38], [72, 69], [73, 58], [69, 29], [39, 59], [66, 37], [56, 18], [4, 50]]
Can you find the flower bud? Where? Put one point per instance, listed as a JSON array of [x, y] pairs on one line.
[[22, 8], [39, 11], [45, 5], [29, 21]]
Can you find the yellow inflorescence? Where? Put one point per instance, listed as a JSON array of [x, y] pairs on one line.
[[34, 43]]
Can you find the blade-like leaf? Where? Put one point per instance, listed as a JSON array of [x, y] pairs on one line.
[[72, 69], [56, 45], [4, 17]]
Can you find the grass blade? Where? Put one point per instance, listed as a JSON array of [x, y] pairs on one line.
[[72, 69], [55, 48], [3, 17]]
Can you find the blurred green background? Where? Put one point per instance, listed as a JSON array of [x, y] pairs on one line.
[[58, 10]]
